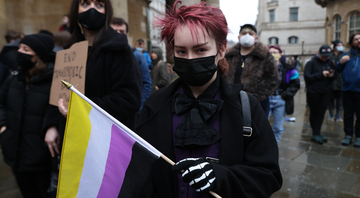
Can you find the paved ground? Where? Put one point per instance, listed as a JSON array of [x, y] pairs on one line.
[[309, 170]]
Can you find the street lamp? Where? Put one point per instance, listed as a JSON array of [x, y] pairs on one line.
[[302, 46]]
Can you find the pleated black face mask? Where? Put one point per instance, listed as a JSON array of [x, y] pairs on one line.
[[197, 71], [92, 19], [24, 60]]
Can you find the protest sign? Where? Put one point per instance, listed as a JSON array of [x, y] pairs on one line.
[[70, 65]]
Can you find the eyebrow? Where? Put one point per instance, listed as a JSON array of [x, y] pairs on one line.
[[199, 45]]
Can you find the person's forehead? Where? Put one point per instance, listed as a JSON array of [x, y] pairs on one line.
[[123, 26], [247, 29], [198, 35], [274, 50], [118, 27]]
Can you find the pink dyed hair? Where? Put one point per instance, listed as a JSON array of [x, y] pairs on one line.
[[209, 18]]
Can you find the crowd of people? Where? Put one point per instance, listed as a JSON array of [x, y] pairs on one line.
[[209, 110]]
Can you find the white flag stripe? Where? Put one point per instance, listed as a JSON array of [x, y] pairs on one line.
[[96, 155], [120, 125]]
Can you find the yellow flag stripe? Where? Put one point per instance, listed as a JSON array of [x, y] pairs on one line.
[[74, 146]]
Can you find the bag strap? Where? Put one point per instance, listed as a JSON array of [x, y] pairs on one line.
[[246, 111]]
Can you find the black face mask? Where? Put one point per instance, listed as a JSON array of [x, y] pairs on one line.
[[24, 60], [197, 71], [92, 19]]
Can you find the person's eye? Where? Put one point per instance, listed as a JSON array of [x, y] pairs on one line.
[[201, 50], [100, 5], [84, 4], [181, 52]]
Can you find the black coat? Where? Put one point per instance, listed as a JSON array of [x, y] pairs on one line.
[[113, 78], [113, 81], [289, 89], [248, 166], [22, 110], [314, 78]]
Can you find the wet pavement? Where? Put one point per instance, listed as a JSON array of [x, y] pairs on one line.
[[309, 170]]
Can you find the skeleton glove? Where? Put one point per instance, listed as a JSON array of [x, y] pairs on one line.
[[197, 172]]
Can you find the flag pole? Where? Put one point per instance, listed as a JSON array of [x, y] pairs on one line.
[[128, 131]]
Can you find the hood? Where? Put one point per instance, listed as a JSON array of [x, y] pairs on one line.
[[8, 54], [113, 41], [158, 52]]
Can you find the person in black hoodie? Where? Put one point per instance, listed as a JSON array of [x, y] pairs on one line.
[[24, 99], [197, 121], [319, 74]]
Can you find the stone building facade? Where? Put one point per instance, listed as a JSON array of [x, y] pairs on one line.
[[30, 16], [297, 26], [342, 19], [157, 10]]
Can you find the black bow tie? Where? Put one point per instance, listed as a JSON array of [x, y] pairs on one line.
[[196, 128]]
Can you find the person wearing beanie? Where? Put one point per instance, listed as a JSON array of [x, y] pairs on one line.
[[282, 100], [24, 100]]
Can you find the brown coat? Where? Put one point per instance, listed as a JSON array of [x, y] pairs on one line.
[[259, 76]]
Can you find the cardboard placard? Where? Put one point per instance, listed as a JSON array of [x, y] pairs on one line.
[[70, 65]]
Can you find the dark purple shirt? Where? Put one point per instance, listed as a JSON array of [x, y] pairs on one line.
[[185, 191]]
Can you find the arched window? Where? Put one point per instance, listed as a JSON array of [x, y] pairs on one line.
[[293, 39], [337, 27], [273, 41], [354, 22]]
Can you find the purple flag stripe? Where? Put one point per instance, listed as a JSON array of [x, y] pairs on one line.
[[118, 160]]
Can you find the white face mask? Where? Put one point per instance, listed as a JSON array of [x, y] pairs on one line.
[[247, 40]]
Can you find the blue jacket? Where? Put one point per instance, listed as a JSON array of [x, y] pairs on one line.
[[147, 57], [350, 71], [146, 79]]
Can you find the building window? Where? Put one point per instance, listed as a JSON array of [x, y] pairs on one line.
[[354, 22], [293, 39], [273, 41], [294, 14], [272, 15], [337, 28]]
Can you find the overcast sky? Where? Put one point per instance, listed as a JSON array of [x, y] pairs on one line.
[[238, 12]]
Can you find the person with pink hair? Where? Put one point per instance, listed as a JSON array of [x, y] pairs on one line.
[[198, 121]]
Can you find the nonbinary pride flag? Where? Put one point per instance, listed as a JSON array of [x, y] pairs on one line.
[[101, 158]]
